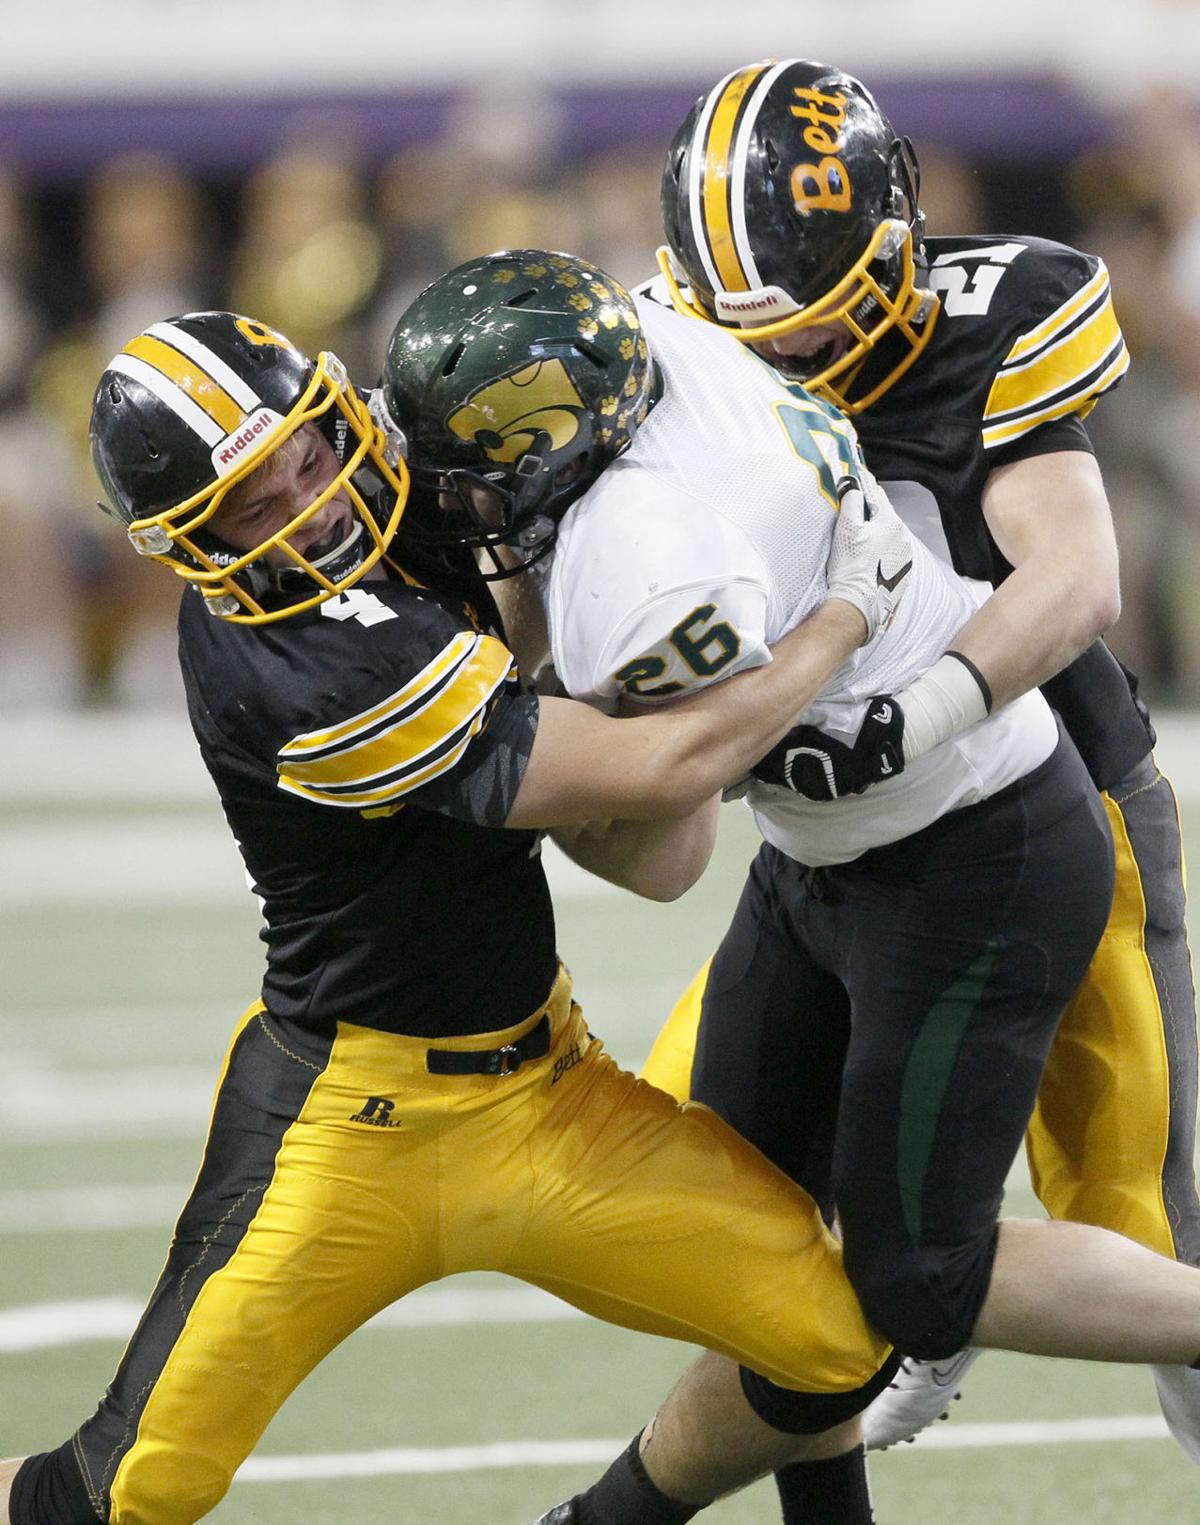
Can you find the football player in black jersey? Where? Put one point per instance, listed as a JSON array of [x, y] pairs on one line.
[[415, 1093], [968, 364]]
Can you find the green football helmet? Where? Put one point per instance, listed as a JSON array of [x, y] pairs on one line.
[[516, 378]]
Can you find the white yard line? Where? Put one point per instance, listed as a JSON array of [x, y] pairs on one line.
[[44, 1326], [151, 1101], [570, 1453], [51, 1326], [86, 1209]]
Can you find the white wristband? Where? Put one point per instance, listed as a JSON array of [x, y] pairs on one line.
[[940, 703]]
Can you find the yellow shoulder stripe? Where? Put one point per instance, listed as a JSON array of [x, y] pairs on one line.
[[430, 676], [1082, 402], [1059, 318], [1089, 350], [409, 743], [385, 794]]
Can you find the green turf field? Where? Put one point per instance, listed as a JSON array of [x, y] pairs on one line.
[[126, 958]]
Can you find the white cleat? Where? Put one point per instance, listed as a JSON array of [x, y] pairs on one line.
[[922, 1392]]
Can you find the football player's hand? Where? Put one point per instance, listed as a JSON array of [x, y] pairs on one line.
[[870, 556], [820, 767]]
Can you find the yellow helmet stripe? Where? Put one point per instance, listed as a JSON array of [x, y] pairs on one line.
[[741, 151], [190, 379], [167, 392], [712, 201], [208, 360]]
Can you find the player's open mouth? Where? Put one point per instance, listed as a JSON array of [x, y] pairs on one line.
[[812, 364]]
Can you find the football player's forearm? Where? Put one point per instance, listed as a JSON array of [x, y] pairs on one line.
[[732, 724], [1037, 622], [1050, 517], [660, 860], [524, 619], [662, 765]]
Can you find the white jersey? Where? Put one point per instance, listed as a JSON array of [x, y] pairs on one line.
[[706, 542]]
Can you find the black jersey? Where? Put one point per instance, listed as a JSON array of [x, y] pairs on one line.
[[1025, 344], [362, 752]]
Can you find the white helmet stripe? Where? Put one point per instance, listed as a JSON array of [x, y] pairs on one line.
[[245, 396], [741, 148], [175, 397], [695, 190]]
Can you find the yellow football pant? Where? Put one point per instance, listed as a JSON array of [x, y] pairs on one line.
[[570, 1174]]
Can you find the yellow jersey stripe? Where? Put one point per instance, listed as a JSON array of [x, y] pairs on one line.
[[1081, 402], [454, 652], [718, 169], [190, 379], [1059, 318], [1069, 361], [411, 739]]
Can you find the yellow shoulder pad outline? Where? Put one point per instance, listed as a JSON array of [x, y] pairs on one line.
[[417, 733], [1062, 366]]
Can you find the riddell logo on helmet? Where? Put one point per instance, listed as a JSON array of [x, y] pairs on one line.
[[230, 452], [733, 303]]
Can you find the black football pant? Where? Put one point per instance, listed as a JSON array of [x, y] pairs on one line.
[[879, 1030]]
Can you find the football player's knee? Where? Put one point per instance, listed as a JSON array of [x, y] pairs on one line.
[[808, 1413], [924, 1299]]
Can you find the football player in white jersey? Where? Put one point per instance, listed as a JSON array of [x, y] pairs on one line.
[[923, 937]]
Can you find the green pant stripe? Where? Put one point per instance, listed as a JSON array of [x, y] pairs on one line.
[[926, 1077]]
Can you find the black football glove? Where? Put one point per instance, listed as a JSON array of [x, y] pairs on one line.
[[822, 768]]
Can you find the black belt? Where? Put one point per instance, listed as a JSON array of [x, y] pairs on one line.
[[535, 1044]]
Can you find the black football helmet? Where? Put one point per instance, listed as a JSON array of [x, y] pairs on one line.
[[189, 409], [789, 203], [516, 379]]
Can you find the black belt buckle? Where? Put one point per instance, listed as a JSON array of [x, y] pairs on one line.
[[507, 1060], [503, 1061]]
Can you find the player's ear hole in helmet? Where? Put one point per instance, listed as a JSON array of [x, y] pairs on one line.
[[516, 378], [790, 210], [212, 421]]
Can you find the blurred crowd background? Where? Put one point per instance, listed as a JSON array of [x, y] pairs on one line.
[[325, 230]]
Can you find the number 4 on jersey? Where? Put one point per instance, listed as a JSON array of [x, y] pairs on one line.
[[357, 604]]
